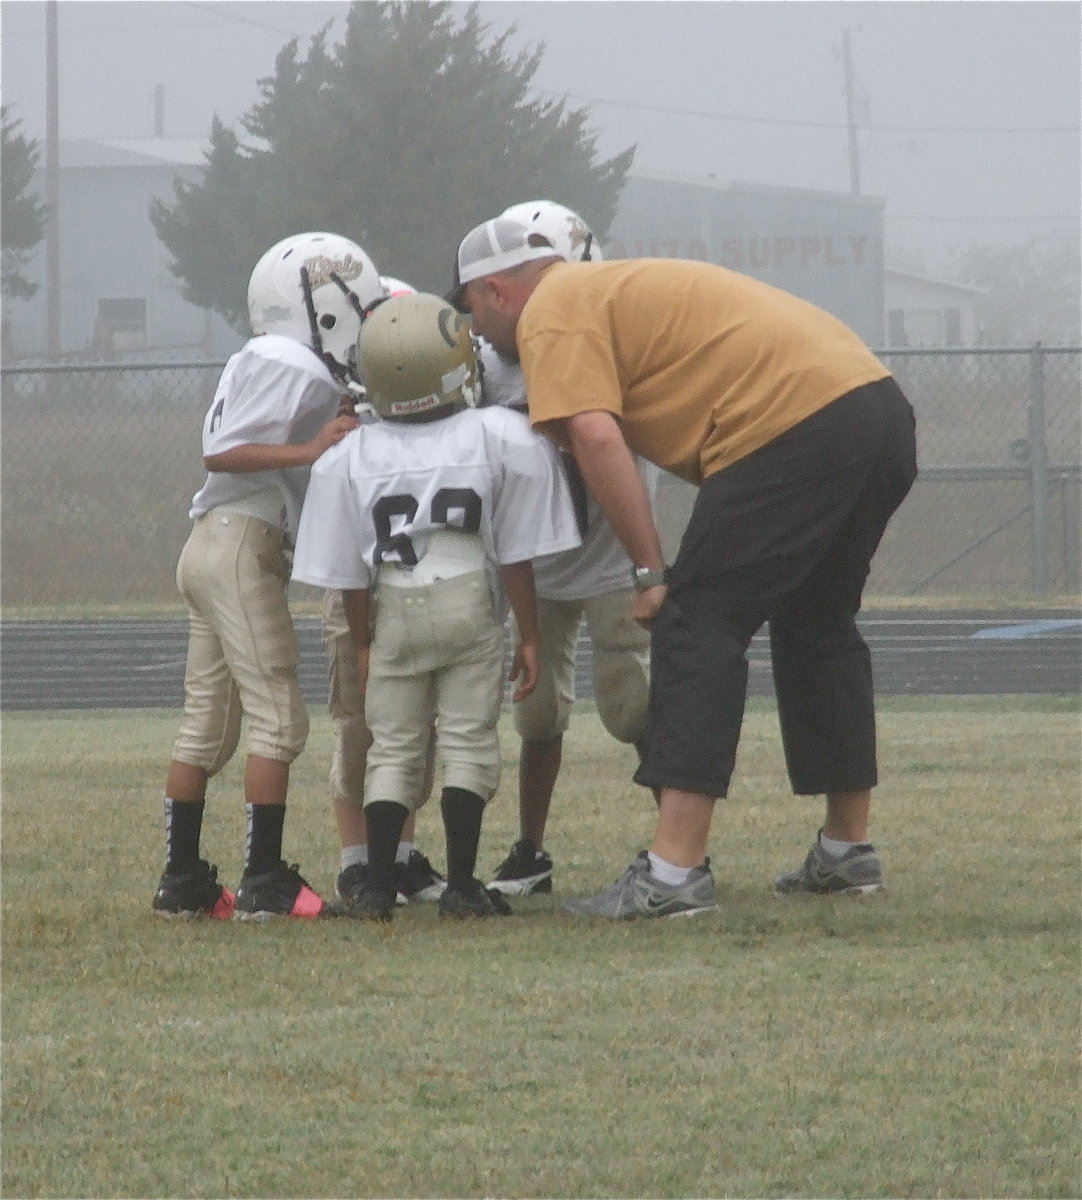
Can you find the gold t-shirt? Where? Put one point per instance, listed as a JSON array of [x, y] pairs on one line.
[[702, 365]]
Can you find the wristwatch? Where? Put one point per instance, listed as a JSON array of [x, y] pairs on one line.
[[649, 577]]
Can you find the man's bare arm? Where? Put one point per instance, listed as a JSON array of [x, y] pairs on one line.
[[612, 475]]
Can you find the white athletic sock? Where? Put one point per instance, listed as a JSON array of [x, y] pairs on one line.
[[666, 872], [353, 856], [835, 848], [405, 849]]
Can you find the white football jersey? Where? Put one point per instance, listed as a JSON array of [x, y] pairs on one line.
[[380, 494], [273, 391], [502, 381], [600, 564]]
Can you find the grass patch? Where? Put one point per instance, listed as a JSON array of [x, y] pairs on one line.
[[920, 1044]]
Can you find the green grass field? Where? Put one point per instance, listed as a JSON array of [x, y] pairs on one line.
[[925, 1043]]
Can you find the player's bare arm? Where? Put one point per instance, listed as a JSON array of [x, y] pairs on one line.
[[519, 585], [260, 456], [358, 605], [612, 476]]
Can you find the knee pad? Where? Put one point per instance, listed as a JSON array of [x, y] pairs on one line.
[[621, 670], [542, 715], [208, 741], [282, 744]]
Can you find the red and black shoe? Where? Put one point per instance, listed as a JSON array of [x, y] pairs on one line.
[[195, 893], [279, 893]]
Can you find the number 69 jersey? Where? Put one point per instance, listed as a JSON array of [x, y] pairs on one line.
[[379, 495]]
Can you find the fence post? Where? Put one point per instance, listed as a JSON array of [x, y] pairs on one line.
[[1038, 470]]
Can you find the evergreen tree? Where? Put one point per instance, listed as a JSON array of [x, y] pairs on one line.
[[403, 137], [22, 215]]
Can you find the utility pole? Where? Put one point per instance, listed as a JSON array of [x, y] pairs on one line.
[[52, 185], [850, 118]]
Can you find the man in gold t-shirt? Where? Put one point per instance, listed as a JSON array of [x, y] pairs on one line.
[[802, 446]]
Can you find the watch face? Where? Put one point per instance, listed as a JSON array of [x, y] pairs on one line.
[[648, 577]]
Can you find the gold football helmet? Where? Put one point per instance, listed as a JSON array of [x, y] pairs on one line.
[[415, 356]]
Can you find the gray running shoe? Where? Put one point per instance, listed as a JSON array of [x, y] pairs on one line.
[[857, 873], [638, 894]]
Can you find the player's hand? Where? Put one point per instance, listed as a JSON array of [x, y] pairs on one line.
[[524, 668], [646, 605], [332, 433]]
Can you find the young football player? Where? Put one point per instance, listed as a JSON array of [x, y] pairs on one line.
[[406, 517], [417, 879], [275, 411], [591, 582]]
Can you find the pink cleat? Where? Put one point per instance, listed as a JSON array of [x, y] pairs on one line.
[[224, 907], [195, 893], [279, 893]]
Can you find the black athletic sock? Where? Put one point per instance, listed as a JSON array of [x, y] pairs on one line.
[[264, 851], [462, 813], [183, 828], [385, 820]]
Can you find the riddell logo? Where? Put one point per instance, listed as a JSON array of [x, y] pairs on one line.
[[321, 268], [403, 408]]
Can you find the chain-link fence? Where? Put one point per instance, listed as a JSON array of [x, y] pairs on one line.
[[99, 463]]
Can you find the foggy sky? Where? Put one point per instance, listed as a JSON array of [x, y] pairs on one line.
[[968, 111]]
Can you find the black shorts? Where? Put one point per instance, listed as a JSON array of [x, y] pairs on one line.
[[785, 536]]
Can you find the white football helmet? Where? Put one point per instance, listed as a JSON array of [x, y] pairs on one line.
[[396, 287], [566, 230], [415, 356], [314, 288]]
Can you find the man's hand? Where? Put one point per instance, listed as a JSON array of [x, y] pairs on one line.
[[646, 605]]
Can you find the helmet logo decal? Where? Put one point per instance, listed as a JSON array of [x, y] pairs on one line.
[[321, 268], [405, 408], [580, 234], [446, 315]]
